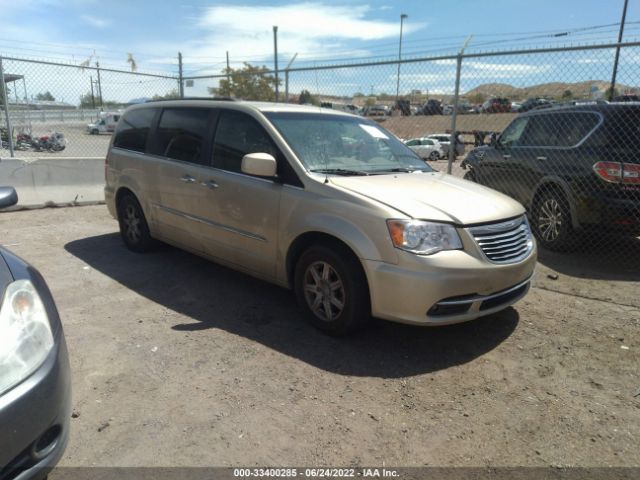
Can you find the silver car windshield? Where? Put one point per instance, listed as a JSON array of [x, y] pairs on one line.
[[344, 145]]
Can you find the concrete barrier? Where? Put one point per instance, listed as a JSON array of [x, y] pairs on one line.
[[60, 181]]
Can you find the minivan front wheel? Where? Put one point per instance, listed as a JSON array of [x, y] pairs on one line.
[[133, 224], [331, 288], [552, 221]]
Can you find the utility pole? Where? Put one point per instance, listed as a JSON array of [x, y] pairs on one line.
[[615, 62], [275, 56], [402, 17], [99, 85], [93, 98], [228, 70], [181, 86], [286, 78], [5, 101]]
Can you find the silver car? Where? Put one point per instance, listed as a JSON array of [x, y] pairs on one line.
[[356, 228]]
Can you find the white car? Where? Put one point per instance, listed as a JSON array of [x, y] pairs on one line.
[[426, 148], [445, 140]]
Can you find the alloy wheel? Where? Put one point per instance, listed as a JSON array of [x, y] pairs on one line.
[[550, 220], [324, 291]]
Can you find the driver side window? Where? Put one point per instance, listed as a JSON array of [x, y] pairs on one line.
[[512, 135]]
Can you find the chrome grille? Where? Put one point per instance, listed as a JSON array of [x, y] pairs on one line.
[[504, 242]]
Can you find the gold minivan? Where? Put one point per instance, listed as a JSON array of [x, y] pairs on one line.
[[323, 202]]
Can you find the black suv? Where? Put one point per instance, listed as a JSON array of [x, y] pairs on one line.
[[575, 167]]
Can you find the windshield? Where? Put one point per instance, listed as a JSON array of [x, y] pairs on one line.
[[344, 145]]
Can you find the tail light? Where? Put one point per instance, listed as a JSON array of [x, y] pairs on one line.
[[617, 172]]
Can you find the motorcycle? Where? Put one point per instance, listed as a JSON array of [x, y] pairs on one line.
[[54, 142]]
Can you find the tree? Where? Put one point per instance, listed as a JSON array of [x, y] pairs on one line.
[[477, 98], [306, 98], [87, 102], [567, 95], [46, 96], [248, 83]]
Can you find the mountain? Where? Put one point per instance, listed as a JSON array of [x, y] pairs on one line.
[[553, 89]]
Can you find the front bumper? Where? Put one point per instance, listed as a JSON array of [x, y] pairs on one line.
[[445, 288], [34, 418]]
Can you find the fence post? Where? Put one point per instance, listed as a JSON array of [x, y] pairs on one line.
[[180, 78], [5, 101], [453, 145], [454, 116]]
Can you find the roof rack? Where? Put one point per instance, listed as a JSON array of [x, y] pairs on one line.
[[214, 99]]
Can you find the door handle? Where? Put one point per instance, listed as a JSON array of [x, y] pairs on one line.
[[541, 158], [210, 184], [506, 157], [187, 179]]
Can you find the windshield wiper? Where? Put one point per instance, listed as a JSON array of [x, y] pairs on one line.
[[339, 171], [402, 170]]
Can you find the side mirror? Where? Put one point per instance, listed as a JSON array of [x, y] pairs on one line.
[[8, 197], [493, 141], [259, 164]]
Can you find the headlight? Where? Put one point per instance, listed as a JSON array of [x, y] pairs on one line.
[[423, 238], [25, 333]]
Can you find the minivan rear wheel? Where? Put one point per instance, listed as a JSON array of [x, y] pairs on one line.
[[552, 221], [331, 288], [133, 225]]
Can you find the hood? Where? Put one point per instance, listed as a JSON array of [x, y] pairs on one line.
[[434, 196]]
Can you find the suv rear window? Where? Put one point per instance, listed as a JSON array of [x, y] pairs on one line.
[[133, 129], [565, 129], [621, 131]]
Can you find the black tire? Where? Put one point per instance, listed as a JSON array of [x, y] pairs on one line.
[[94, 132], [433, 156], [134, 229], [471, 176], [338, 275], [551, 221]]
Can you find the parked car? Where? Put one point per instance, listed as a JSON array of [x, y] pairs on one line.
[[426, 148], [377, 111], [496, 105], [445, 140], [432, 107], [627, 98], [272, 190], [35, 384], [576, 168], [532, 103], [515, 106]]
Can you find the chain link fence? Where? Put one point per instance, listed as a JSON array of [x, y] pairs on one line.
[[537, 125], [49, 107]]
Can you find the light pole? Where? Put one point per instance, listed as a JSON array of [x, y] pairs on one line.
[[402, 17]]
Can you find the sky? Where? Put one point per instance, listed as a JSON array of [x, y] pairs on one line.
[[319, 32]]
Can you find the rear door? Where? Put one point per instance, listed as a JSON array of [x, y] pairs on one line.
[[181, 151]]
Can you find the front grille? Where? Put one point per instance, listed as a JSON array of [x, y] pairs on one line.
[[504, 242]]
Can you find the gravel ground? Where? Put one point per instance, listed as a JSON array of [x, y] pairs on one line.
[[180, 362]]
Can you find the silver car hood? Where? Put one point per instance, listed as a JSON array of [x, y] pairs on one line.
[[434, 196]]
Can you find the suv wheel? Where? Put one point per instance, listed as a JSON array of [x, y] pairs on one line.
[[434, 156], [133, 225], [552, 221], [332, 290]]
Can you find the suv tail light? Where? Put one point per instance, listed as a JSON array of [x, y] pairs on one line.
[[617, 172]]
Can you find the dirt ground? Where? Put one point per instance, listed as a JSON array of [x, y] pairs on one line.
[[180, 362]]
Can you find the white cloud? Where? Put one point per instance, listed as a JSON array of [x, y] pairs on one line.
[[95, 21], [311, 29]]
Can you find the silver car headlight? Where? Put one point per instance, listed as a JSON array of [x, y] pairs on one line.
[[25, 334], [423, 238]]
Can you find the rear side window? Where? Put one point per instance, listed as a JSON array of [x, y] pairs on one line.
[[182, 132], [238, 134], [559, 129], [620, 133], [133, 129]]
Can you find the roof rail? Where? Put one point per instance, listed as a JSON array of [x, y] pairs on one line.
[[214, 99]]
